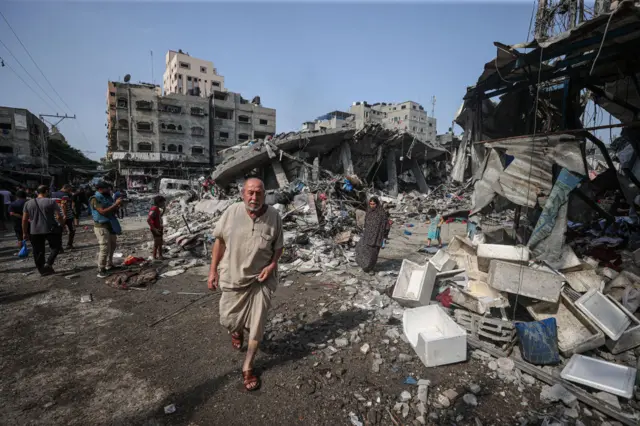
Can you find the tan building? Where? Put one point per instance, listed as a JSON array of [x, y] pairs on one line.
[[187, 75], [408, 116]]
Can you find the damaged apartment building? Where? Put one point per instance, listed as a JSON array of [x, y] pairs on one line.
[[23, 145], [370, 143], [178, 135]]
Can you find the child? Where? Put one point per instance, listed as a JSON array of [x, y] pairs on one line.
[[155, 223], [435, 221]]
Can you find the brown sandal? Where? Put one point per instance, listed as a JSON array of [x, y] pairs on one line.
[[250, 381], [236, 341]]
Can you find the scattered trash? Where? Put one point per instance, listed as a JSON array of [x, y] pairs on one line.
[[86, 298], [170, 409]]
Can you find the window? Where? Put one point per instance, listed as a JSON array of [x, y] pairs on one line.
[[243, 137], [174, 109], [172, 148], [222, 114], [123, 124], [414, 128], [203, 70], [421, 130], [430, 124], [197, 150], [220, 96], [123, 145], [144, 105], [197, 111], [6, 149], [144, 147], [112, 93], [197, 131], [179, 127], [243, 119], [403, 107], [414, 107], [5, 126], [179, 148], [405, 117], [144, 126], [171, 127], [224, 134], [185, 65], [164, 147], [122, 103], [188, 78], [263, 122], [215, 84]]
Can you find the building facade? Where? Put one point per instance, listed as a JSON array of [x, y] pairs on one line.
[[151, 135], [408, 116], [23, 140], [236, 120], [187, 75]]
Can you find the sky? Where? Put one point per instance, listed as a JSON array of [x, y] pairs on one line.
[[303, 59]]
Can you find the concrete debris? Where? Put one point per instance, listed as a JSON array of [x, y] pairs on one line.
[[470, 399]]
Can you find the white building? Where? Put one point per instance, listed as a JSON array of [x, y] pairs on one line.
[[187, 75]]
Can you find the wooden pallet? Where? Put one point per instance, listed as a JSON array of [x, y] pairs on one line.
[[499, 332]]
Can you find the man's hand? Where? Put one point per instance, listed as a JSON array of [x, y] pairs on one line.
[[212, 283], [118, 201], [266, 272], [25, 237]]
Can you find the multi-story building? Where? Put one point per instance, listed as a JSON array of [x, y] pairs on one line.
[[151, 135], [187, 75], [236, 120], [23, 140], [408, 116]]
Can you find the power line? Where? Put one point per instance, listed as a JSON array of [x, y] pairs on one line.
[[27, 84], [32, 78], [34, 62]]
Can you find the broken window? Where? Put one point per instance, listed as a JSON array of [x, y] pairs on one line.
[[144, 126], [6, 150], [122, 103], [197, 150], [224, 135], [179, 148], [243, 137], [414, 128], [164, 147], [220, 96], [215, 84], [144, 147], [197, 131], [243, 119], [430, 124], [174, 109], [403, 107], [123, 124], [144, 105], [263, 122], [172, 148], [5, 126], [179, 127], [203, 70], [171, 127], [185, 65], [414, 107], [112, 93], [197, 111]]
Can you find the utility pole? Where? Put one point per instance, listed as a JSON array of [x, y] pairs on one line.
[[433, 106], [45, 151]]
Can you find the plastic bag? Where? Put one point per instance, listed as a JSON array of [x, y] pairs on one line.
[[24, 251]]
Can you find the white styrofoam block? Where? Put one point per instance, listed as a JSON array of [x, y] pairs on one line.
[[436, 337], [488, 252], [415, 283], [442, 261]]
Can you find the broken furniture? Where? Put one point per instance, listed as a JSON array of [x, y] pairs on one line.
[[415, 283], [435, 337]]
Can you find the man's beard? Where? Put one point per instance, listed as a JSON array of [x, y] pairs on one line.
[[253, 208]]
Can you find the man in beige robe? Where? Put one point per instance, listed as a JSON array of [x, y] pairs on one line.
[[244, 264]]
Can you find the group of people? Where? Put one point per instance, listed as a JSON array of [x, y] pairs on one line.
[[41, 218]]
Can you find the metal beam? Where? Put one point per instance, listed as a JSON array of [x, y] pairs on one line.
[[598, 91]]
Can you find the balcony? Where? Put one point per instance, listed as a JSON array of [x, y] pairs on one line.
[[171, 128], [144, 105], [172, 109], [197, 111]]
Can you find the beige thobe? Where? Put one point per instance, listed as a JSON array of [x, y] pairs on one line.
[[250, 246]]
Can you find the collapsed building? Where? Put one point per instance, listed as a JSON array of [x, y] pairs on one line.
[[369, 145]]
